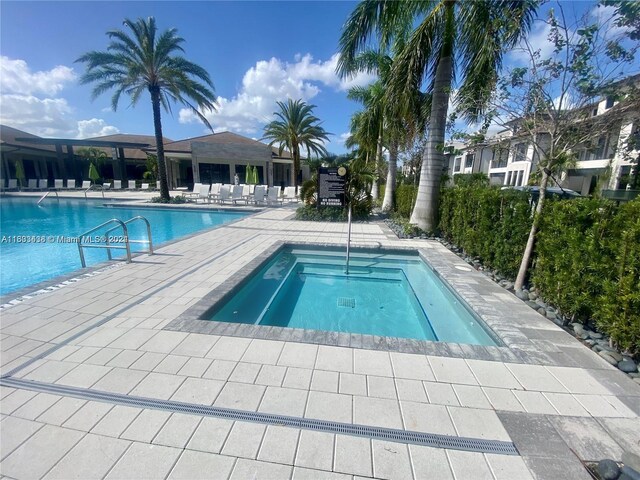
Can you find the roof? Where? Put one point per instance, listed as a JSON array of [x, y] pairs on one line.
[[8, 137], [134, 153], [184, 146]]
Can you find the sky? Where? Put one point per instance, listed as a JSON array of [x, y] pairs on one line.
[[256, 52]]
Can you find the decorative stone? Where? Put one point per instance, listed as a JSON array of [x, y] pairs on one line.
[[608, 357], [550, 315], [595, 335], [613, 353], [508, 285], [627, 366], [522, 295], [541, 303], [608, 469], [533, 295], [533, 305], [578, 329], [590, 342], [542, 311]]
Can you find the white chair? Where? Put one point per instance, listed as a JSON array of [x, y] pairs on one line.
[[43, 184], [273, 196], [117, 184], [214, 192], [71, 184], [86, 185], [106, 186], [225, 194], [144, 186], [158, 185], [32, 184], [236, 194], [203, 193], [290, 194], [259, 195], [58, 184], [246, 191], [131, 185], [193, 193], [13, 184]]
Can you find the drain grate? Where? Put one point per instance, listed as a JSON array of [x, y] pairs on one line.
[[347, 302], [379, 433]]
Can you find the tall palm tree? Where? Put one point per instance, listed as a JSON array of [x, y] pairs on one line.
[[462, 39], [139, 61], [296, 127]]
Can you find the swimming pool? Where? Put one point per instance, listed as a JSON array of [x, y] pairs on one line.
[[33, 239], [388, 294]]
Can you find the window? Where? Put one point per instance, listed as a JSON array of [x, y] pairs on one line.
[[468, 161], [456, 165], [609, 103], [499, 159], [520, 154], [594, 112]]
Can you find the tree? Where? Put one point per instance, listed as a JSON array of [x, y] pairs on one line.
[[551, 102], [473, 33], [96, 159], [142, 61], [296, 128]]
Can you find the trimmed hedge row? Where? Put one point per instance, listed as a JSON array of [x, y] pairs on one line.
[[587, 255]]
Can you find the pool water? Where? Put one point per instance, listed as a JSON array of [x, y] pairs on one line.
[[385, 294], [25, 261]]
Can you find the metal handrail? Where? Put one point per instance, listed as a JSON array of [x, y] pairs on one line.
[[91, 188], [108, 247], [45, 196], [149, 239]]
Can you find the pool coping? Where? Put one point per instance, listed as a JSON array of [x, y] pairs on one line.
[[15, 297], [516, 348]]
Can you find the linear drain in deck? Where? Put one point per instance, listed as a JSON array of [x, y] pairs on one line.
[[378, 433], [347, 302]]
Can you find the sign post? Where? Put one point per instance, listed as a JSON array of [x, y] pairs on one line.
[[332, 185]]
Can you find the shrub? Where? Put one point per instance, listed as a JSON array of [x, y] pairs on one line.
[[178, 199], [405, 197]]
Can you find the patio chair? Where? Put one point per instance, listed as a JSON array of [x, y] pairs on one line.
[[131, 185], [273, 196], [106, 186], [86, 185], [11, 185], [290, 194], [158, 185], [43, 184], [58, 184], [236, 194], [193, 193], [214, 192], [117, 184], [225, 194], [203, 193], [144, 186], [32, 184], [71, 184], [259, 195]]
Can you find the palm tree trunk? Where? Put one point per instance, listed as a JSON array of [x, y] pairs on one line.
[[157, 123], [296, 166], [528, 250], [387, 203], [375, 191], [425, 211]]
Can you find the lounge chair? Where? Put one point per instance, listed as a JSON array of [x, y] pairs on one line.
[[273, 196], [236, 195], [43, 184], [290, 194], [194, 193], [158, 185], [259, 195], [32, 184], [203, 193], [246, 192], [71, 184], [11, 185], [117, 184], [144, 186], [214, 192], [106, 186], [58, 184], [131, 185], [225, 194]]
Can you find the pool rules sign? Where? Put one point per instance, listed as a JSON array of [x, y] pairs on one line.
[[332, 184]]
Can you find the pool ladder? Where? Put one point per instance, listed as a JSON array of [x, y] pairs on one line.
[[108, 245]]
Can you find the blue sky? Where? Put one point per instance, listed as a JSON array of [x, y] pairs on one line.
[[256, 53]]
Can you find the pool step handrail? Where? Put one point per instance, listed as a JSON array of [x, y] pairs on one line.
[[108, 245], [45, 196], [149, 240]]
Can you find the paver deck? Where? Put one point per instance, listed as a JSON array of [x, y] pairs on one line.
[[556, 410]]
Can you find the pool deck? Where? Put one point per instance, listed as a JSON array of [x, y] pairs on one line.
[[556, 400]]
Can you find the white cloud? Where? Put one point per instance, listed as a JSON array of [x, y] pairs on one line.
[[343, 137], [269, 81], [29, 102], [538, 40], [96, 127], [605, 16], [16, 77]]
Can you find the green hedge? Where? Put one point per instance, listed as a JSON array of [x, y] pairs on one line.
[[487, 223], [405, 197], [586, 259]]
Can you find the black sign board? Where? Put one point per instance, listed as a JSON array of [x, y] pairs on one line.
[[331, 186]]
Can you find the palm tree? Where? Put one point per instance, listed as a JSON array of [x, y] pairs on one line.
[[142, 60], [451, 39], [296, 128]]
